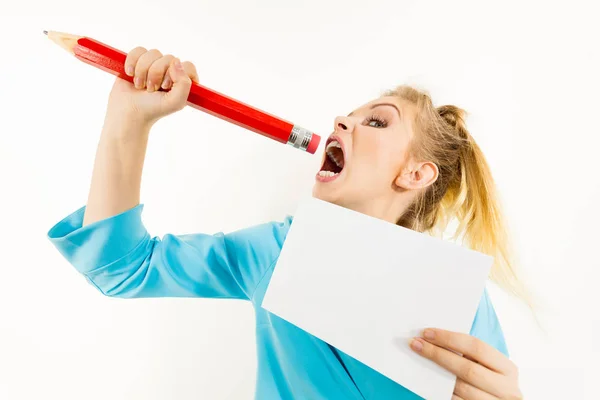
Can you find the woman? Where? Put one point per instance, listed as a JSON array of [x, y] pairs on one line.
[[396, 158]]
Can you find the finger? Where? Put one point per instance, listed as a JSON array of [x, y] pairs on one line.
[[476, 374], [190, 69], [455, 397], [158, 71], [177, 96], [471, 347], [143, 65], [166, 83], [467, 391], [132, 58]]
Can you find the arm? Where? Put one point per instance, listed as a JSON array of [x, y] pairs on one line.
[[117, 174], [106, 240], [130, 113]]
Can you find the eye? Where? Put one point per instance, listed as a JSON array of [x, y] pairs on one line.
[[376, 122]]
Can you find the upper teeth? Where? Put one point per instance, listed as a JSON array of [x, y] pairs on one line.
[[331, 154], [334, 143]]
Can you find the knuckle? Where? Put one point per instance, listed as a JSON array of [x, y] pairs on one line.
[[189, 64], [156, 71], [160, 65], [148, 57], [190, 68], [141, 64], [133, 55], [462, 389], [136, 51], [468, 372], [476, 348]]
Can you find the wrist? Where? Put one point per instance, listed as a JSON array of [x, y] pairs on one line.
[[126, 127]]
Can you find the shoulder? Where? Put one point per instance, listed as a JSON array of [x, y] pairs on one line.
[[267, 237], [253, 250], [486, 325]]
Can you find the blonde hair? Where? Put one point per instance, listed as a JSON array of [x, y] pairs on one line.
[[464, 189]]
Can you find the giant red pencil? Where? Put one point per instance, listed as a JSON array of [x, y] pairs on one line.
[[202, 98]]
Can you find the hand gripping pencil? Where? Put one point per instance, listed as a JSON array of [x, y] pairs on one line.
[[202, 98]]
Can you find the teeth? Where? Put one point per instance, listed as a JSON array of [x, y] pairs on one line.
[[331, 154], [334, 143], [335, 159], [327, 174]]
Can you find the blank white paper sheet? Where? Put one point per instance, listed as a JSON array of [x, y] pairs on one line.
[[366, 286]]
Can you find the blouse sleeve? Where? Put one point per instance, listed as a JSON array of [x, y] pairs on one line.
[[119, 257]]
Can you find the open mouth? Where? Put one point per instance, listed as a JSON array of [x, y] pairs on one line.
[[334, 160]]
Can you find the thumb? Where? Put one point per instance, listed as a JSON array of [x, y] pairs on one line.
[[176, 98]]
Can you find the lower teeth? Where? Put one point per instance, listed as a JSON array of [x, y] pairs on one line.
[[327, 173]]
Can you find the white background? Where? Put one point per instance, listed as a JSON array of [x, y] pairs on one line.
[[526, 71]]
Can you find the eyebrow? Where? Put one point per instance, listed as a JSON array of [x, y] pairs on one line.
[[382, 104]]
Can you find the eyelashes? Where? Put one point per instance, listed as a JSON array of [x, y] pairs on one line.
[[381, 123]]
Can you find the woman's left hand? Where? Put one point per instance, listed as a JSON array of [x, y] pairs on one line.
[[483, 373]]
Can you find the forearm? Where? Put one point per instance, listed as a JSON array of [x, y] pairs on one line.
[[117, 173]]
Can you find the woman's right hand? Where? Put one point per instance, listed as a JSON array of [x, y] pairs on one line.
[[142, 102]]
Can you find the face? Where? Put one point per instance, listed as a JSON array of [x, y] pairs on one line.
[[365, 165]]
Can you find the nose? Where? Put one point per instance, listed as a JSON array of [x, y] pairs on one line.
[[343, 124]]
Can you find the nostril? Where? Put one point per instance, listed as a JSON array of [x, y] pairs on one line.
[[342, 126]]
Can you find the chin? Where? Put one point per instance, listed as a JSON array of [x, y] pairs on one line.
[[326, 193]]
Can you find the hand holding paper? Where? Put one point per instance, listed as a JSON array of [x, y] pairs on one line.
[[483, 372]]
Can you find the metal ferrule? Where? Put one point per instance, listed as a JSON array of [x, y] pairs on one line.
[[300, 138]]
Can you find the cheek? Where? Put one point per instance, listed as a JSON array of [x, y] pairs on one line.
[[381, 155], [371, 165], [395, 152]]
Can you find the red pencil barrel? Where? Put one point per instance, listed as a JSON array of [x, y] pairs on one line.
[[241, 114], [112, 61]]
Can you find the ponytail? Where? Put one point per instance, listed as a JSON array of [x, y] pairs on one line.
[[472, 199]]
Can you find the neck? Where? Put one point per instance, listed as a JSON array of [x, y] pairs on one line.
[[389, 209]]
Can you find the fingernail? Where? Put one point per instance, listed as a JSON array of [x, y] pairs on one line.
[[150, 86], [138, 82], [178, 64], [129, 70], [416, 345], [429, 334], [165, 83]]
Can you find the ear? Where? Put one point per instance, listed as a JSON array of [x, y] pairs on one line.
[[417, 175]]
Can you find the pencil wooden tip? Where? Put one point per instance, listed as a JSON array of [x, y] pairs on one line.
[[46, 33]]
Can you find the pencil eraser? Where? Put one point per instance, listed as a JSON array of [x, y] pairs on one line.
[[313, 145]]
